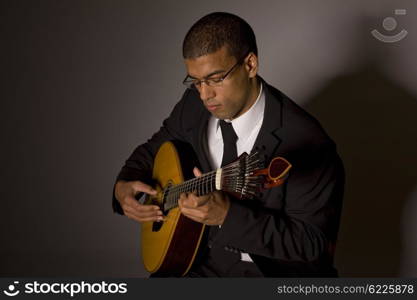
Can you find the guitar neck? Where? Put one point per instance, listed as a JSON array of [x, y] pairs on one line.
[[238, 178], [202, 185]]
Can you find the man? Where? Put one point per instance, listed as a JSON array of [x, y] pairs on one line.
[[226, 110]]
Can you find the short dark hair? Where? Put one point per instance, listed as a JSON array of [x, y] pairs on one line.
[[216, 30]]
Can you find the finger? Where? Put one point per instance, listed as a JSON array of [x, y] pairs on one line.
[[186, 201], [132, 202], [181, 200], [193, 214], [144, 219], [133, 206], [197, 172], [139, 186], [198, 201], [144, 214]]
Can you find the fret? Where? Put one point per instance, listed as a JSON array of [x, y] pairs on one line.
[[202, 185], [235, 177]]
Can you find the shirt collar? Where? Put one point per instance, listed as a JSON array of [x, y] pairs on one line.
[[244, 124]]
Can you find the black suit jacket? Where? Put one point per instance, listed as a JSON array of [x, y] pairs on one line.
[[292, 229]]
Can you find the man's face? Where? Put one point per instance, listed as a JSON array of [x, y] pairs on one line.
[[235, 94]]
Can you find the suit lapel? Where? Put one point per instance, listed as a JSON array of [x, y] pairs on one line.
[[200, 138], [268, 141]]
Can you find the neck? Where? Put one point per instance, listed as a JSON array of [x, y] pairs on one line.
[[255, 89], [253, 93]]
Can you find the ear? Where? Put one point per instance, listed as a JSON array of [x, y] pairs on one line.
[[251, 65]]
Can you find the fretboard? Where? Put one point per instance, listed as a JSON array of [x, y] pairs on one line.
[[236, 177], [202, 185]]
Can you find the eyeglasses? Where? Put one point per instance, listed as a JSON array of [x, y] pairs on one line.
[[214, 81]]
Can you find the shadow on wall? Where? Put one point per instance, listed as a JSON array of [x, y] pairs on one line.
[[372, 120]]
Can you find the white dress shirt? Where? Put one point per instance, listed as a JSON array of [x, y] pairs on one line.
[[247, 128]]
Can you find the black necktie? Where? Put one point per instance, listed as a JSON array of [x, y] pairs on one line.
[[229, 155], [229, 142]]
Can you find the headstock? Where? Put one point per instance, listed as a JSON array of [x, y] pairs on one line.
[[245, 177]]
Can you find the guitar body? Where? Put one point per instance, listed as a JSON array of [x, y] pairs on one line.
[[169, 248]]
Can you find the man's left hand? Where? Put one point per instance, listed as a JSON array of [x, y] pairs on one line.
[[210, 209]]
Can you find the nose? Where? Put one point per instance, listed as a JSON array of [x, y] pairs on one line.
[[206, 92]]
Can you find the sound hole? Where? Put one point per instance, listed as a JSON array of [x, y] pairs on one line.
[[156, 226], [164, 204]]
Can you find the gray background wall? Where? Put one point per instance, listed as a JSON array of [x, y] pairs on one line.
[[84, 82]]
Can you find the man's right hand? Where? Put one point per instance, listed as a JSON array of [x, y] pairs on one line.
[[125, 192]]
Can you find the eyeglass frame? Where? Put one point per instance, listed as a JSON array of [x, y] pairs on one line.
[[191, 84]]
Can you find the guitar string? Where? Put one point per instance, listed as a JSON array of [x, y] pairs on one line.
[[202, 187], [200, 184], [204, 184]]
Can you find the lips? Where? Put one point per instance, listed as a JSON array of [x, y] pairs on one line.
[[212, 107]]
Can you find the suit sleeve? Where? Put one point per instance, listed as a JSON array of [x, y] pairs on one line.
[[140, 163], [306, 226]]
